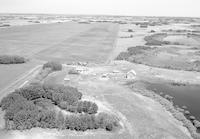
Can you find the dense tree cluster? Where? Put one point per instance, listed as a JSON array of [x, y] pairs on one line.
[[130, 30], [34, 106], [156, 39], [11, 59], [83, 122], [87, 107], [134, 51], [73, 71], [139, 55], [54, 66], [123, 56], [80, 107]]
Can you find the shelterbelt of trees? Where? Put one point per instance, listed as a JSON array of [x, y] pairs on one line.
[[12, 59], [53, 106]]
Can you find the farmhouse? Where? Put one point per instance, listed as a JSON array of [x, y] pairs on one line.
[[82, 70]]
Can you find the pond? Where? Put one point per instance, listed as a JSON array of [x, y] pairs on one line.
[[183, 95]]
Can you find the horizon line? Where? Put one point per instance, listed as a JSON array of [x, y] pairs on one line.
[[71, 14]]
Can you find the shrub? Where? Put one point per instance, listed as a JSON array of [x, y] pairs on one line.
[[132, 51], [11, 99], [73, 91], [70, 97], [152, 31], [87, 121], [106, 121], [11, 59], [44, 103], [138, 50], [9, 124], [17, 107], [60, 93], [130, 30], [64, 105], [25, 119], [123, 56], [80, 107], [49, 90], [47, 119], [31, 92], [61, 89], [87, 107], [152, 40], [81, 122], [60, 121], [55, 66], [57, 98], [73, 71], [71, 122], [72, 108]]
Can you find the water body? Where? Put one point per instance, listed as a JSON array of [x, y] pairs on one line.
[[184, 95]]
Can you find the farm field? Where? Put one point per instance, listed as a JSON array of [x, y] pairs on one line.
[[60, 41]]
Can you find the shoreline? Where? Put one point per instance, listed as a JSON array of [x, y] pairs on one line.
[[168, 106]]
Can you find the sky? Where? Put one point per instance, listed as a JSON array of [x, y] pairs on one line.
[[185, 8]]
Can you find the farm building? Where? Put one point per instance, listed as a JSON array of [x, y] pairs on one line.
[[131, 74], [81, 70]]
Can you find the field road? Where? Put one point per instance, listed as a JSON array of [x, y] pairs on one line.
[[21, 81]]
